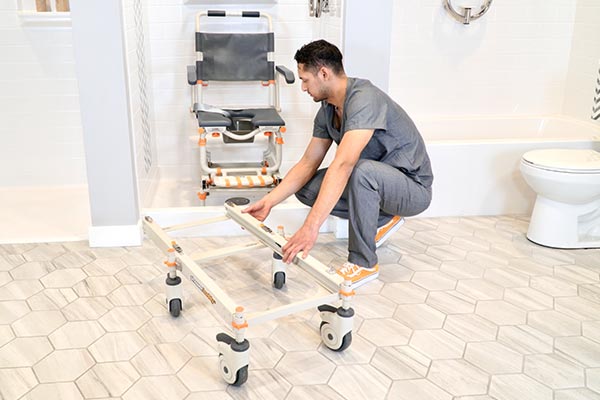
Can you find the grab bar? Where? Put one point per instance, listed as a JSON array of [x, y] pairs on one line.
[[465, 16]]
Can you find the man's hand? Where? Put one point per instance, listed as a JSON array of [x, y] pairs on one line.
[[303, 240], [259, 210]]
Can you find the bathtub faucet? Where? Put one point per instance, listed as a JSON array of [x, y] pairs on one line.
[[465, 16]]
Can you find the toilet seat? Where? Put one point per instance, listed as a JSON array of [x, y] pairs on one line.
[[575, 161]]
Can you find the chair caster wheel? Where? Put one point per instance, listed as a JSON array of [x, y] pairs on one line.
[[235, 378], [279, 279], [330, 338], [175, 307]]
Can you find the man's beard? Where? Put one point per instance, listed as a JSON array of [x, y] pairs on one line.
[[322, 95]]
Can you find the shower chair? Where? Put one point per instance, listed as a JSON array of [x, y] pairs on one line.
[[237, 57]]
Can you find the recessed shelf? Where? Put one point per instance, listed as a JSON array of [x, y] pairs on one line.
[[230, 2], [49, 18]]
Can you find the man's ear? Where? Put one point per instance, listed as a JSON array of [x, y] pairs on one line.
[[324, 72]]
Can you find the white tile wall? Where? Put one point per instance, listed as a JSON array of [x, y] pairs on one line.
[[172, 48], [514, 60], [584, 61], [40, 127], [137, 43]]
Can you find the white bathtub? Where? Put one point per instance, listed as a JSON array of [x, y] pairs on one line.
[[475, 160]]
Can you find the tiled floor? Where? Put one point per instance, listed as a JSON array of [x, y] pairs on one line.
[[464, 309]]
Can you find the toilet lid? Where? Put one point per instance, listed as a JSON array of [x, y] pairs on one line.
[[568, 160]]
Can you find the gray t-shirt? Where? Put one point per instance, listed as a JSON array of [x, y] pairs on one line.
[[396, 140]]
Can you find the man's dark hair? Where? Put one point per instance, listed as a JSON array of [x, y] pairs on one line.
[[320, 53]]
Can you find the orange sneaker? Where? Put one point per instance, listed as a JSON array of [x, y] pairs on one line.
[[358, 275], [388, 229]]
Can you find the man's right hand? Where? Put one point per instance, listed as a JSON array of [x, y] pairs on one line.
[[259, 210]]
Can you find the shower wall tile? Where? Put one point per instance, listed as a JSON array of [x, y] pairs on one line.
[[41, 128], [584, 63]]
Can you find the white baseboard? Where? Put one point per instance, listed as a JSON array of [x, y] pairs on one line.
[[116, 235]]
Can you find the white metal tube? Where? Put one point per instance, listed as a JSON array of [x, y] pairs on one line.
[[195, 223], [190, 269], [288, 309], [314, 267]]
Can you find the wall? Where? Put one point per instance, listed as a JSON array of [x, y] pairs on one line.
[[171, 30], [40, 132], [135, 13], [514, 60], [584, 61]]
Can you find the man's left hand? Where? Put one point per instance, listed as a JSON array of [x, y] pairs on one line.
[[303, 240]]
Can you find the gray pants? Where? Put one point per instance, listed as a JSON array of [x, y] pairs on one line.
[[375, 192]]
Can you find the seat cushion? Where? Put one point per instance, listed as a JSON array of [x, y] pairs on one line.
[[259, 117]]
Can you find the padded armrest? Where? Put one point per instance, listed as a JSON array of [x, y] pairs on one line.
[[289, 75], [191, 74]]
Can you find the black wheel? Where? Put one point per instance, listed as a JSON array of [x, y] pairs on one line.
[[175, 307], [241, 376], [346, 342], [279, 279], [329, 338]]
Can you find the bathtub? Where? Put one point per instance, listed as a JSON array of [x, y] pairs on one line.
[[476, 160]]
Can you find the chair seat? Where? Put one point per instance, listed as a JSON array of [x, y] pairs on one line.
[[258, 116]]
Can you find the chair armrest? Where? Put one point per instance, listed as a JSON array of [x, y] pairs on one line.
[[289, 75], [191, 74]]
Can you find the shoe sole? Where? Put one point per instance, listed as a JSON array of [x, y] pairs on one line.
[[392, 229]]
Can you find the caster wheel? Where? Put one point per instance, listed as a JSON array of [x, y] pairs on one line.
[[235, 378], [175, 307], [329, 337], [279, 280]]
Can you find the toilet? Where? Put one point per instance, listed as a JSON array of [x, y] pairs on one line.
[[566, 214]]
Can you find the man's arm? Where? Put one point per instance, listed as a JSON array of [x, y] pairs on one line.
[[294, 180], [336, 178]]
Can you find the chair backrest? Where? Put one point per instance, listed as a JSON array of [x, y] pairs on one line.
[[235, 56]]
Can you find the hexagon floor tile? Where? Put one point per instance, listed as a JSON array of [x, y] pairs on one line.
[[466, 308]]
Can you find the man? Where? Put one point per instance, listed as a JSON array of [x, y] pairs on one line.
[[380, 171]]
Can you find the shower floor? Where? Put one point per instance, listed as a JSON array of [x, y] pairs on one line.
[[44, 214]]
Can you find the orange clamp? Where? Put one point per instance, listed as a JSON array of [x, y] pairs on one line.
[[202, 195], [216, 134], [347, 294], [201, 130], [219, 172], [279, 140], [282, 129], [235, 325], [267, 83], [202, 142]]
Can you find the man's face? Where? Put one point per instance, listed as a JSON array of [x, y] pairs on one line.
[[312, 83]]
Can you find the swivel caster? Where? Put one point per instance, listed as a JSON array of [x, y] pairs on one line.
[[233, 359], [174, 295], [278, 271], [175, 307], [336, 327]]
